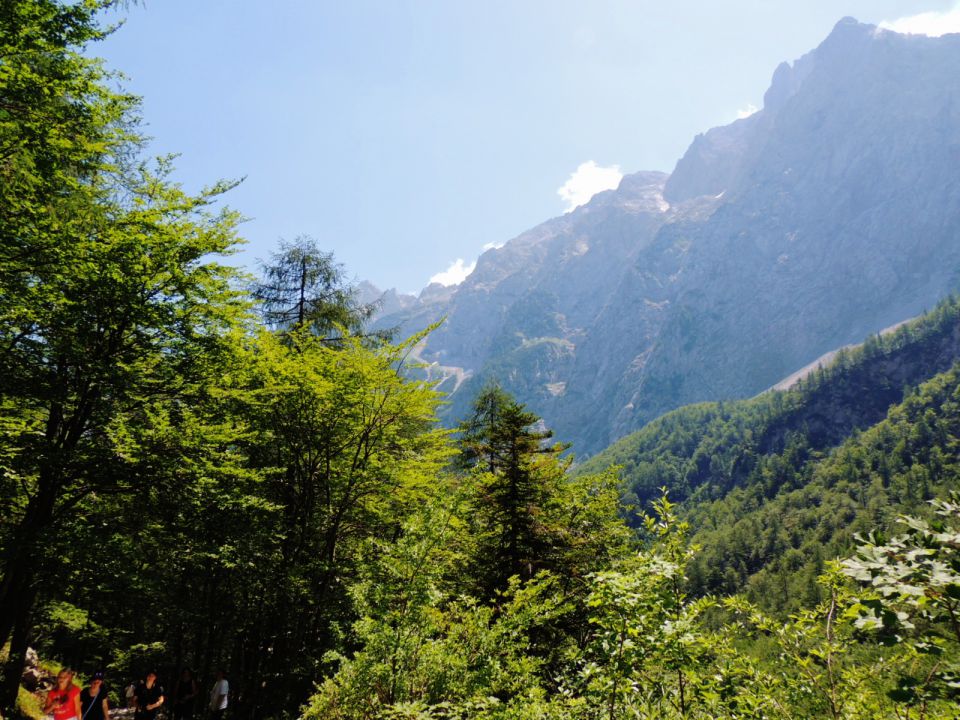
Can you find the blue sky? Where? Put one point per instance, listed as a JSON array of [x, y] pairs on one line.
[[405, 135]]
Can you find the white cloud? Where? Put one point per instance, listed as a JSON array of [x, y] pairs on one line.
[[931, 23], [746, 112], [586, 181], [459, 269], [455, 274]]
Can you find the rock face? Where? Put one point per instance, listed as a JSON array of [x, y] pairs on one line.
[[32, 674], [829, 214]]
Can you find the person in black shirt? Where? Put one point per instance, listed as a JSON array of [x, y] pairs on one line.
[[149, 697], [93, 700], [184, 696]]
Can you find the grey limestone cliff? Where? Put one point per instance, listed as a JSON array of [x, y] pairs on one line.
[[829, 214]]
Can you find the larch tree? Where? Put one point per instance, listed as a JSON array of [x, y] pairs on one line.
[[304, 288]]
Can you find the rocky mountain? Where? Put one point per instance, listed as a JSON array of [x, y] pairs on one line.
[[829, 214], [388, 302]]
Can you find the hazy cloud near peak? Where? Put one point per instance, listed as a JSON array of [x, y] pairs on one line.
[[455, 274], [459, 269], [746, 112], [933, 23], [586, 181]]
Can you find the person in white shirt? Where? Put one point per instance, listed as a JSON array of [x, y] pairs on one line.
[[218, 696]]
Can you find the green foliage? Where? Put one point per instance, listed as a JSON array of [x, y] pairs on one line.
[[59, 121], [28, 705], [435, 638], [71, 629], [297, 455], [919, 571], [650, 652], [177, 485], [644, 645], [913, 584], [135, 660], [821, 669], [112, 305], [428, 653], [51, 667]]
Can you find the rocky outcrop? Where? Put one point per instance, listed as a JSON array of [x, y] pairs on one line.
[[33, 675]]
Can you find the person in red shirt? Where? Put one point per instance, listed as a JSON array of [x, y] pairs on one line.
[[64, 700]]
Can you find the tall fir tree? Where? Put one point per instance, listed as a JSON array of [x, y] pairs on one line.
[[517, 472]]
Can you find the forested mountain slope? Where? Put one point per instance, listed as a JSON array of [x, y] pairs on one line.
[[775, 485], [772, 536], [829, 214]]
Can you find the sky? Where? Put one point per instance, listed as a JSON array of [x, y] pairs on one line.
[[406, 136]]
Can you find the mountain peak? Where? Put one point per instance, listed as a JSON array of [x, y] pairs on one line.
[[827, 215], [847, 22]]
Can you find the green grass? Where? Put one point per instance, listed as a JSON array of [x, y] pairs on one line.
[[51, 667], [28, 705]]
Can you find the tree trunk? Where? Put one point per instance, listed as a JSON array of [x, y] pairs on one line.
[[18, 649], [18, 590]]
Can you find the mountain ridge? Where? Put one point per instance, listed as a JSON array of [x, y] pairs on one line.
[[823, 217]]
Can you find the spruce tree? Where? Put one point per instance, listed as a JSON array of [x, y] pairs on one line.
[[517, 473]]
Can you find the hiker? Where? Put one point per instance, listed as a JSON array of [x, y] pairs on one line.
[[149, 697], [64, 700], [93, 700], [184, 694], [218, 696]]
